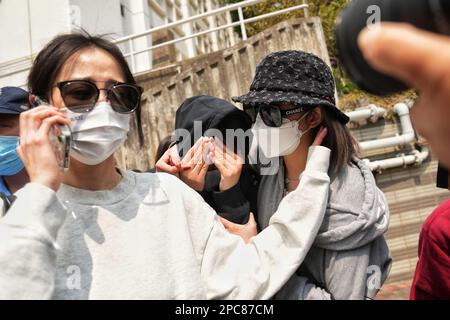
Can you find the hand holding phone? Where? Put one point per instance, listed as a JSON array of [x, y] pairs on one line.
[[35, 147], [60, 137]]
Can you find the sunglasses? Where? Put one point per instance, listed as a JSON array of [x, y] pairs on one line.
[[271, 115], [80, 96]]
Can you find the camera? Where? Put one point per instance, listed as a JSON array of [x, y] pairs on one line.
[[431, 15]]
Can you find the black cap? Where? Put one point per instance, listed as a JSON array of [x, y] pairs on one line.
[[212, 113], [13, 100], [296, 77]]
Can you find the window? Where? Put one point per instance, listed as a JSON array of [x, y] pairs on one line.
[[122, 10]]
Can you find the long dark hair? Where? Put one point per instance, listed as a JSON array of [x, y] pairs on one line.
[[52, 57], [339, 140]]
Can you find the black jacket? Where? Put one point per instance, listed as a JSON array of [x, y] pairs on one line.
[[236, 203]]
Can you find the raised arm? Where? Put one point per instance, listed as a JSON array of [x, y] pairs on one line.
[[232, 269]]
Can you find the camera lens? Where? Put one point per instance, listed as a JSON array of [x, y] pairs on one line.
[[431, 15]]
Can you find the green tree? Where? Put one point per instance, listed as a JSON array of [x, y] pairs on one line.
[[327, 11]]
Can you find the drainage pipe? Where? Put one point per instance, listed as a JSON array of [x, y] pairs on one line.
[[416, 158], [407, 136], [371, 113]]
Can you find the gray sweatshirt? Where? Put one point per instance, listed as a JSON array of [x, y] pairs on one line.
[[152, 237], [349, 258]]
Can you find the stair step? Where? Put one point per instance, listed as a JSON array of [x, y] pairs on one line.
[[408, 222], [402, 270]]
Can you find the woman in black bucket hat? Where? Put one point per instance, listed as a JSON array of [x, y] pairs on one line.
[[290, 99]]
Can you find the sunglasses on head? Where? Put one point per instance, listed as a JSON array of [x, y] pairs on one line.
[[81, 96], [272, 115]]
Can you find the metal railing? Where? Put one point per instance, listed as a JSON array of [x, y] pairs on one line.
[[242, 22], [131, 53]]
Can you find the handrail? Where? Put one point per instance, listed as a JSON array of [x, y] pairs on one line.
[[242, 22], [223, 9], [230, 25]]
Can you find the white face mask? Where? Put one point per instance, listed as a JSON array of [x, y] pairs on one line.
[[96, 135], [277, 142]]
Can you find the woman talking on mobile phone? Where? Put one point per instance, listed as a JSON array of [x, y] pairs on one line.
[[97, 232]]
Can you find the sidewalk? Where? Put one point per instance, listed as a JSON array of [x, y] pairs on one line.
[[395, 291]]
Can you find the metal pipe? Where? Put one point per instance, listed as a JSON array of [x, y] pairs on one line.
[[416, 158], [237, 23], [242, 23], [306, 9], [132, 54], [402, 110], [407, 136], [190, 19], [372, 113]]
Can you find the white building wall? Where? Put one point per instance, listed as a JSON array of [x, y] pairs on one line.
[[98, 16], [138, 19], [186, 10], [27, 25]]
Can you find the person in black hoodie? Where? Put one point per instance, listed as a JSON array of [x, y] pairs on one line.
[[235, 202]]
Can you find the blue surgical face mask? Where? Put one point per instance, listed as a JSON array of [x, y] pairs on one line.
[[10, 163]]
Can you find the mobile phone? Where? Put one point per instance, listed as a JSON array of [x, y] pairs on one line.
[[60, 137]]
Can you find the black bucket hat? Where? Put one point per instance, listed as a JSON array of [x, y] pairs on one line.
[[295, 77]]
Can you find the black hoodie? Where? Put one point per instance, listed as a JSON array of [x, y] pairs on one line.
[[235, 203]]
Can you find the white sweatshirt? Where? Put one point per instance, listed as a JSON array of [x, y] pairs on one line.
[[152, 237]]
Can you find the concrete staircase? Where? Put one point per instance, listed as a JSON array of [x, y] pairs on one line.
[[412, 195]]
